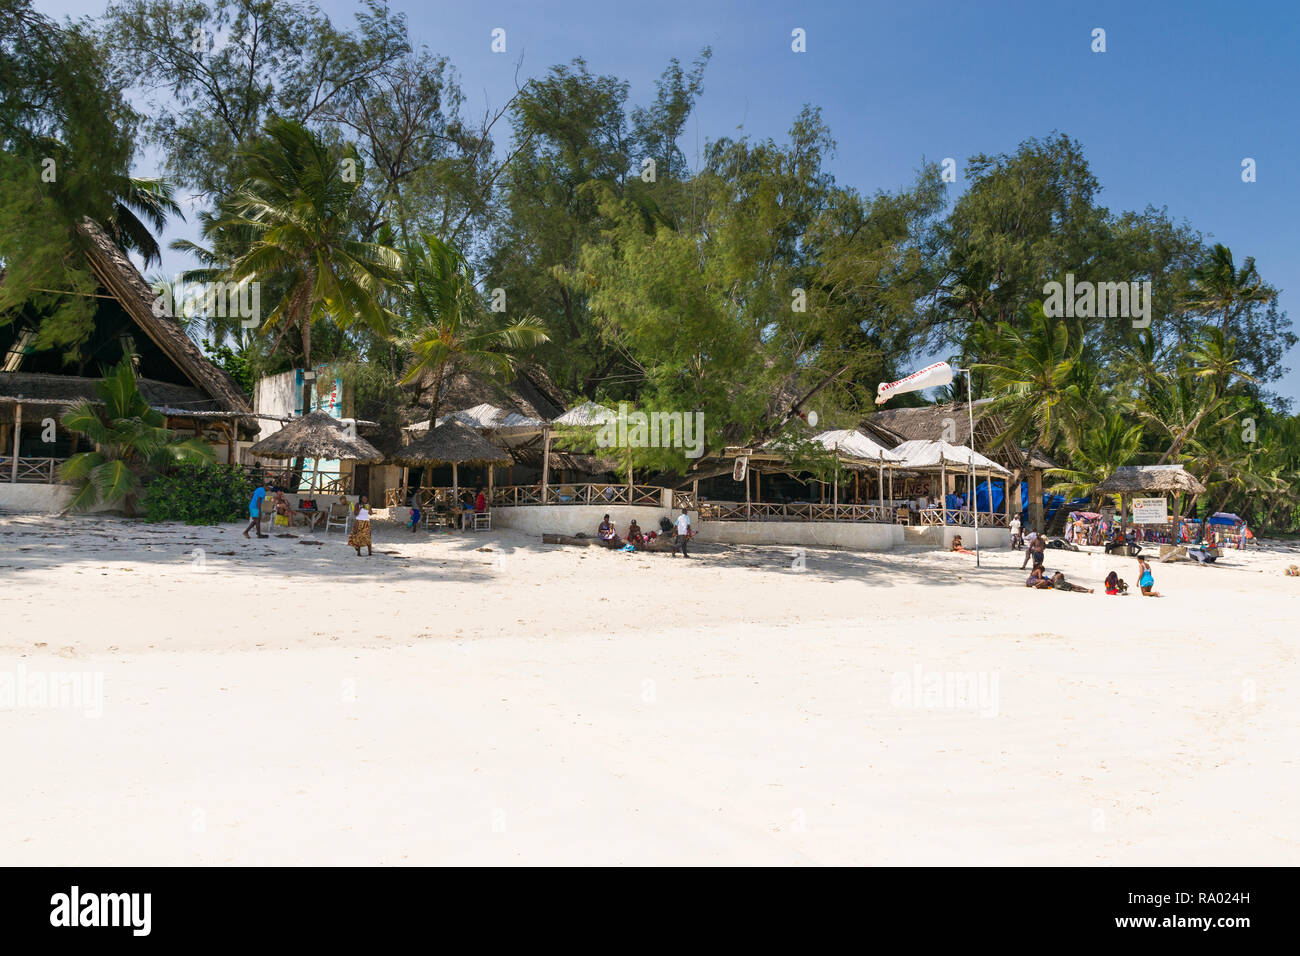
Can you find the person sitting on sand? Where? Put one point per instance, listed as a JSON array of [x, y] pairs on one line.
[[634, 535], [1060, 584], [1037, 580], [957, 546], [1146, 581], [360, 536], [1293, 572], [606, 530], [1115, 584]]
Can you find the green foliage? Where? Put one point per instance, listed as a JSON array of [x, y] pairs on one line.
[[65, 147], [199, 494], [452, 332], [235, 363], [133, 443]]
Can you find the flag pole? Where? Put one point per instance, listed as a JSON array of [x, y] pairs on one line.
[[975, 492]]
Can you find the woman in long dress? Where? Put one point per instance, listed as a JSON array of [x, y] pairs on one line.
[[360, 536]]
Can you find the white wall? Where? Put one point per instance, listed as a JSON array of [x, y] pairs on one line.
[[816, 534], [853, 536], [570, 519], [21, 498], [274, 395]]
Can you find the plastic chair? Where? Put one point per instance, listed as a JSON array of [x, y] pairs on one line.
[[482, 521], [340, 514]]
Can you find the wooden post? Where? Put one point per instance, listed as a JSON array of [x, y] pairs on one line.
[[835, 491], [1036, 498], [695, 491], [943, 489], [18, 434], [490, 483], [230, 443], [891, 487], [747, 491], [546, 463]]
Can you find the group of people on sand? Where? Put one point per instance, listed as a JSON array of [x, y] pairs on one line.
[[281, 514], [1035, 544], [636, 539]]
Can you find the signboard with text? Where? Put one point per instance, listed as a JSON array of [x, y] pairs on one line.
[[1150, 511]]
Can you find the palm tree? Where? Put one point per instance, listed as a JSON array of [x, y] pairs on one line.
[[1101, 450], [452, 332], [139, 212], [1215, 357], [289, 227], [1033, 374], [1219, 286], [131, 440]]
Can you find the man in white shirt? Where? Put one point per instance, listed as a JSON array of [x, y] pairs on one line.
[[1015, 533], [683, 533]]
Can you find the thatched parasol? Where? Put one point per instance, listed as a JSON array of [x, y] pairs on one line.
[[453, 443], [1129, 479], [317, 435]]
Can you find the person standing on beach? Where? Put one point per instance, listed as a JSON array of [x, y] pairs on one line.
[[1036, 545], [1028, 541], [683, 533], [360, 536], [1015, 533], [255, 510]]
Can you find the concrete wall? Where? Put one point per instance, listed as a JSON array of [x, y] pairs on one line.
[[940, 536], [816, 534], [23, 498], [570, 519]]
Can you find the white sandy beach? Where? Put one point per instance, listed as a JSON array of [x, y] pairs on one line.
[[275, 702]]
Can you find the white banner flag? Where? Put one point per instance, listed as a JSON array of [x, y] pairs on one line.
[[932, 376]]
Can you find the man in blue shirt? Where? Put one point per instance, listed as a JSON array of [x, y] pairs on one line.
[[255, 511]]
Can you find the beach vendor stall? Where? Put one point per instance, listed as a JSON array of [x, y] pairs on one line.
[[1229, 529]]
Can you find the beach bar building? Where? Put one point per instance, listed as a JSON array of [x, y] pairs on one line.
[[36, 387]]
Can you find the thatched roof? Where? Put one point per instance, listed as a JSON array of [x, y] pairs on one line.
[[452, 442], [1135, 478], [71, 389], [948, 422], [530, 394], [317, 435], [122, 280]]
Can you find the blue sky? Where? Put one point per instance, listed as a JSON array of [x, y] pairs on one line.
[[1184, 91]]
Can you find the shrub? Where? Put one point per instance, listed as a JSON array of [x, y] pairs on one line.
[[199, 494]]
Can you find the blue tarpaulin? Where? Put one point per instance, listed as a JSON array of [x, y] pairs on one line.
[[1224, 517]]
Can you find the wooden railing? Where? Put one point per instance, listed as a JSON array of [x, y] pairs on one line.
[[792, 511], [808, 511], [961, 518], [430, 496], [579, 494], [42, 471]]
